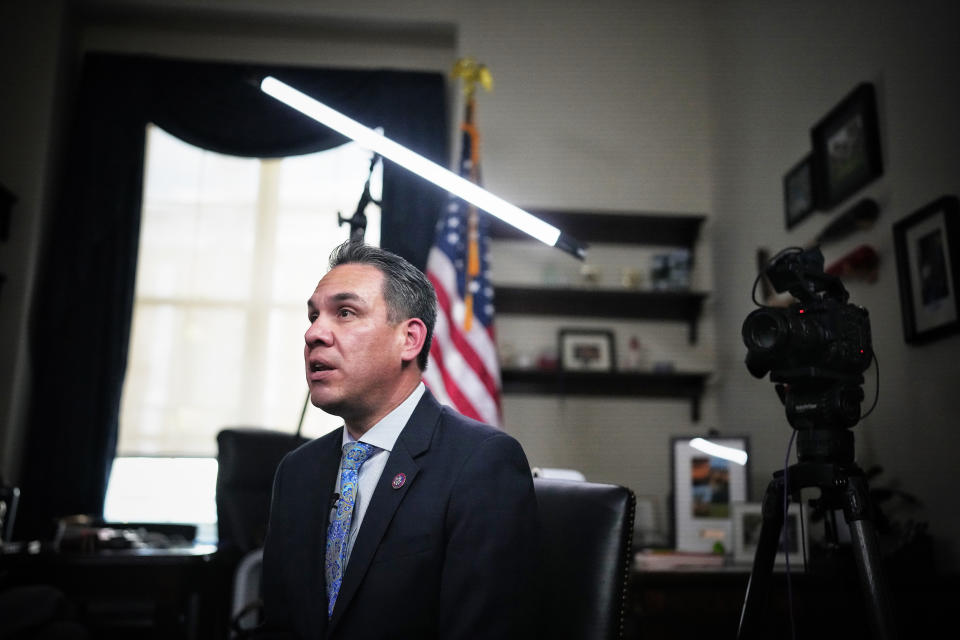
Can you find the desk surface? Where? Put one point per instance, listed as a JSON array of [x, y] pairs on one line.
[[134, 556]]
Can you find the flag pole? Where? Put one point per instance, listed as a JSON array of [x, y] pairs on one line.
[[472, 73]]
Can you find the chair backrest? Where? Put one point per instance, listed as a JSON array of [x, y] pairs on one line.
[[248, 458], [586, 547]]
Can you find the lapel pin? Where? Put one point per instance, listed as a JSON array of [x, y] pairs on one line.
[[398, 480]]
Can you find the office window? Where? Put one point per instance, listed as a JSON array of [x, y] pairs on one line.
[[230, 249]]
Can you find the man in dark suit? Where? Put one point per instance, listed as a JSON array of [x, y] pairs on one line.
[[412, 522]]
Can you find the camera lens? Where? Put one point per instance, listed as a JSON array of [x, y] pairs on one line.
[[765, 330]]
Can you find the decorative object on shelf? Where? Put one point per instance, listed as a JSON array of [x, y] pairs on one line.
[[590, 275], [634, 359], [861, 263], [664, 366], [747, 518], [671, 271], [551, 275], [631, 277], [547, 359], [859, 217], [926, 242], [507, 353], [586, 350], [706, 482], [846, 148], [798, 198]]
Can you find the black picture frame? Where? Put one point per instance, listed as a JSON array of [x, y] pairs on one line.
[[586, 350], [926, 244], [798, 193], [846, 148]]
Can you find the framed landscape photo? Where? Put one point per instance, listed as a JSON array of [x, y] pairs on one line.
[[798, 195], [709, 475], [927, 269], [747, 519], [586, 350], [846, 148]]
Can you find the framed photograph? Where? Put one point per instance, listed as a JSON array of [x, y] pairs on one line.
[[927, 270], [798, 200], [709, 475], [747, 521], [846, 148], [586, 350]]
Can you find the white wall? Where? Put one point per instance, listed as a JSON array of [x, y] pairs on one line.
[[775, 73]]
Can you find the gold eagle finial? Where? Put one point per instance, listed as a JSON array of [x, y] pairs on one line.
[[472, 73]]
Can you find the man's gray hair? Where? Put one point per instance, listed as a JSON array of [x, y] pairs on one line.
[[406, 290]]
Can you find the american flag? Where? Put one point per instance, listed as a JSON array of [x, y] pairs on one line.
[[463, 371]]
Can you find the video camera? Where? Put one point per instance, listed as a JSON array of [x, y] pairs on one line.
[[816, 348]]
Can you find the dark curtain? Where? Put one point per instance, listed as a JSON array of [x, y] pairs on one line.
[[83, 307]]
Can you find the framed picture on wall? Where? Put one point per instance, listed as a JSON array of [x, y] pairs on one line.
[[927, 269], [846, 148], [798, 197], [747, 519], [586, 350], [709, 475]]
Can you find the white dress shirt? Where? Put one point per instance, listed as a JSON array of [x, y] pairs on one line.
[[382, 436]]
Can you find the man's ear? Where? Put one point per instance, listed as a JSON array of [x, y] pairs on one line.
[[413, 336]]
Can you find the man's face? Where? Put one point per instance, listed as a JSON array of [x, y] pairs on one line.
[[353, 356]]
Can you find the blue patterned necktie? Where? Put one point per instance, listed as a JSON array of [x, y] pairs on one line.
[[339, 531]]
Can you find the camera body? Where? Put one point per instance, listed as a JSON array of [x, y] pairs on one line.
[[816, 349], [826, 334]]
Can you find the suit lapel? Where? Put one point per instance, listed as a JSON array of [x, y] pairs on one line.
[[414, 440]]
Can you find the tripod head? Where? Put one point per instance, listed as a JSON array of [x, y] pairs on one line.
[[815, 350]]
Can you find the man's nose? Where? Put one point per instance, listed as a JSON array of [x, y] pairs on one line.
[[318, 332]]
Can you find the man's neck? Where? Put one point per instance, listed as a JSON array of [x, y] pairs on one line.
[[359, 425]]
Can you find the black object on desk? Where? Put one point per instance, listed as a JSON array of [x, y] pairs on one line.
[[147, 593]]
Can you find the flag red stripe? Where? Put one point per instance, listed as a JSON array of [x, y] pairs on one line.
[[460, 341], [460, 401]]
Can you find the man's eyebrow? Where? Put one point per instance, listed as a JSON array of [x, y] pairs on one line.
[[338, 297], [346, 295]]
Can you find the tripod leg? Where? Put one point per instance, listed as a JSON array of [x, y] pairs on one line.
[[866, 548], [758, 587]]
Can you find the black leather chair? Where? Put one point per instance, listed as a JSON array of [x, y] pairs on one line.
[[247, 459], [585, 554]]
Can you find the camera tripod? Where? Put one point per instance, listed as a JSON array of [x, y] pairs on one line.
[[826, 461]]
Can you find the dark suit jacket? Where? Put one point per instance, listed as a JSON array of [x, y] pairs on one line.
[[451, 554]]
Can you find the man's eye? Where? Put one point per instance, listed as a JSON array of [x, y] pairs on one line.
[[345, 313], [311, 317]]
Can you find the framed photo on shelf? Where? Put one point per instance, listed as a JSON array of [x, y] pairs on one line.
[[798, 195], [586, 350], [747, 520], [927, 270], [846, 148], [708, 476]]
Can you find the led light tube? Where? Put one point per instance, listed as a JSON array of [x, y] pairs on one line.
[[732, 454], [458, 186]]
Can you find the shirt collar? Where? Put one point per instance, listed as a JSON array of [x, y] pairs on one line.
[[384, 434]]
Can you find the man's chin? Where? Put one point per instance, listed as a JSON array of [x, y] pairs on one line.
[[325, 402]]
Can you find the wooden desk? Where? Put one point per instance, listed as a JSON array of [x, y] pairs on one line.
[[706, 603], [130, 593]]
